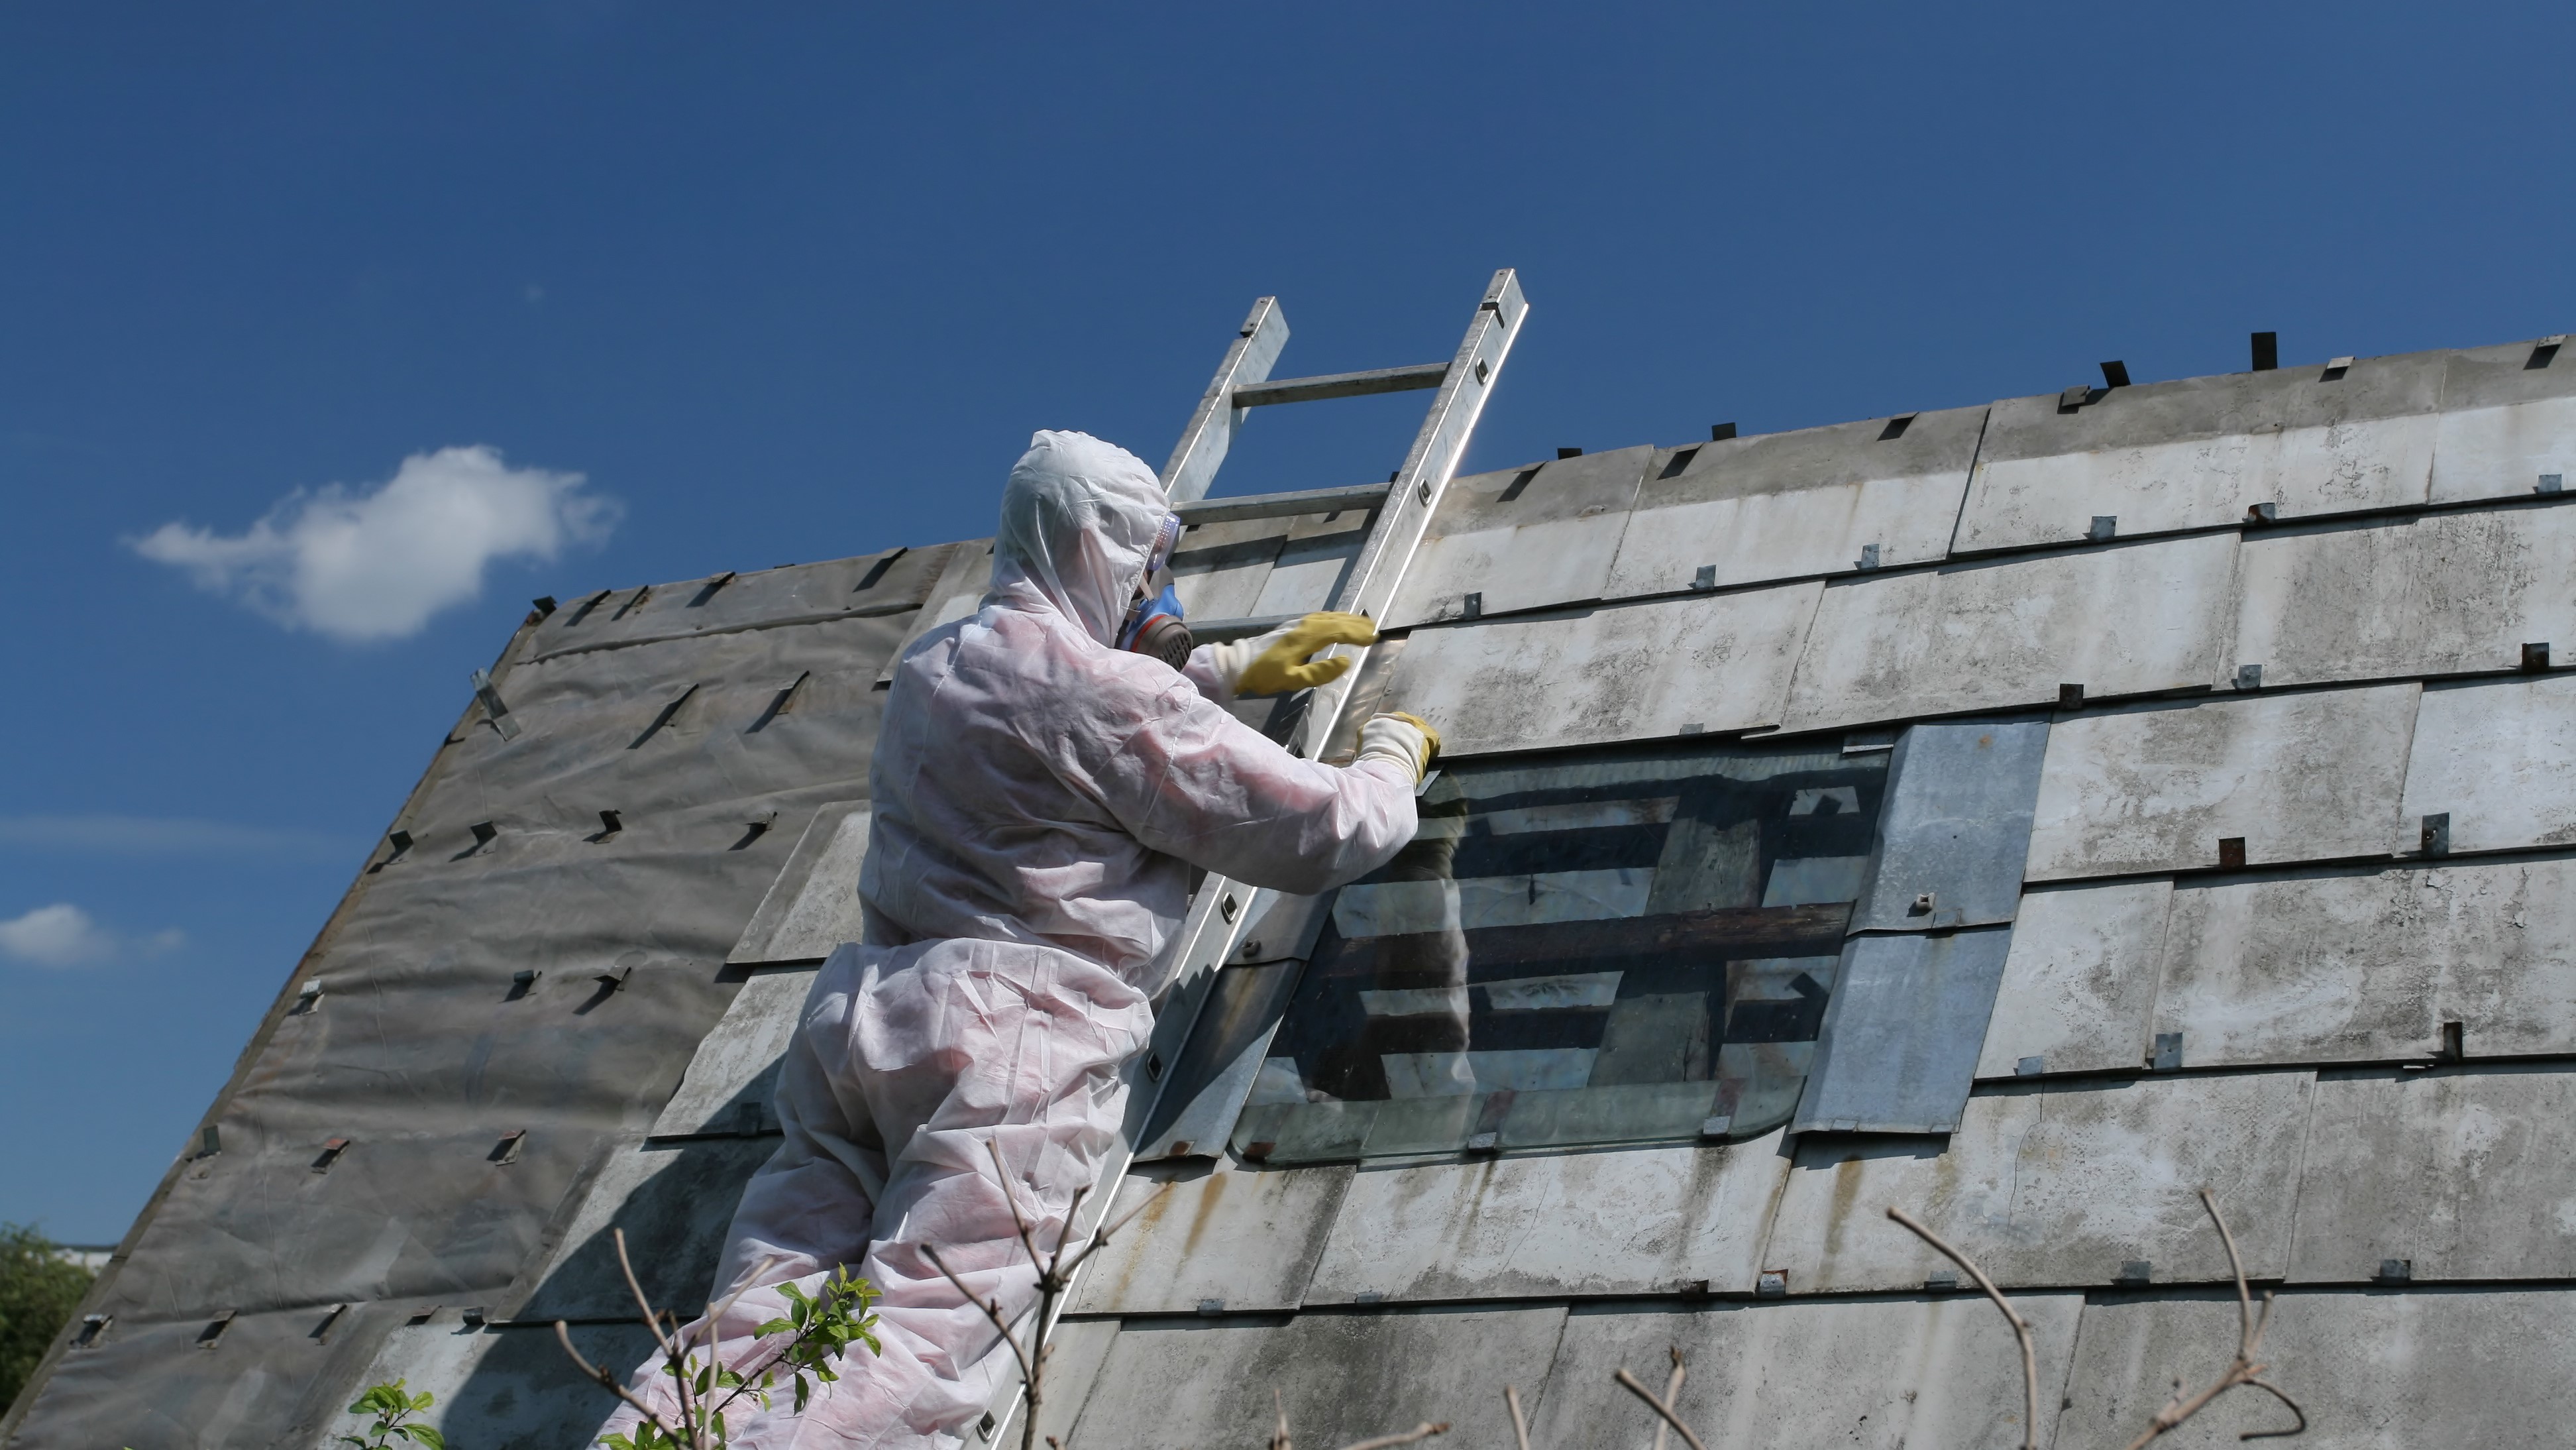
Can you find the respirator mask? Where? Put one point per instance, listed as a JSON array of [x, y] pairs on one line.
[[1154, 624]]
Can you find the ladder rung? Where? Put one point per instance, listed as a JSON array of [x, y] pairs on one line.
[[1342, 385], [1281, 505]]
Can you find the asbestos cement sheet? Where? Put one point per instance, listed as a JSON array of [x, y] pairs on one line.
[[892, 583], [1941, 1373], [1634, 1221], [1186, 1384], [734, 1076], [963, 578], [2461, 1172], [1314, 560], [1204, 1090], [813, 906], [418, 1077], [2375, 1369], [496, 1387], [1625, 672], [279, 1378], [1898, 1050], [2199, 452], [2307, 777], [2498, 759], [2343, 966], [2139, 619], [674, 1202], [1232, 1234], [1075, 1350], [1524, 538], [2057, 1185], [2080, 981], [2505, 935], [2508, 421], [1218, 569], [2434, 595], [1955, 828], [1790, 505]]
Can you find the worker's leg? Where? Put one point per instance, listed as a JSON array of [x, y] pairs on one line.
[[806, 1212], [959, 1044]]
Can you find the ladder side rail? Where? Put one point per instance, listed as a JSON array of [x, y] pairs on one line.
[[1210, 433]]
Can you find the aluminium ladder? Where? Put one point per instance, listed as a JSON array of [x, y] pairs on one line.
[[1405, 504]]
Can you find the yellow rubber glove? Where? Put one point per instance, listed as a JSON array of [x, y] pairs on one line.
[[1283, 665], [1406, 740], [1430, 737]]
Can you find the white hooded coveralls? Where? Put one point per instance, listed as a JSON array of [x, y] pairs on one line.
[[1039, 799]]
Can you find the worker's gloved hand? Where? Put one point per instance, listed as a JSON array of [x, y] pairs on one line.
[[1277, 662], [1408, 740]]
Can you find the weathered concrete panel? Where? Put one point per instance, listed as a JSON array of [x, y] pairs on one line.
[[813, 906], [1788, 505], [2433, 595], [2464, 1173], [1075, 1353], [674, 1202], [1319, 551], [1624, 672], [1899, 1045], [1218, 569], [2376, 1370], [1642, 1220], [2056, 1185], [2505, 934], [963, 577], [1920, 1374], [2127, 620], [2343, 966], [2500, 760], [1956, 826], [734, 1075], [1524, 538], [1339, 1377], [2504, 422], [2080, 981], [1245, 1237], [2156, 787], [2199, 452]]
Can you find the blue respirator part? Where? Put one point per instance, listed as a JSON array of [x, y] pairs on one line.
[[1155, 628]]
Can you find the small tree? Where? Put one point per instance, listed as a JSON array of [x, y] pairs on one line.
[[39, 1289]]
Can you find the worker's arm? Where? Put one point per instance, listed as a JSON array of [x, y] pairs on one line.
[[1282, 660], [1196, 783]]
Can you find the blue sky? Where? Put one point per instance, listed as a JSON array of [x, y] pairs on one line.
[[800, 284]]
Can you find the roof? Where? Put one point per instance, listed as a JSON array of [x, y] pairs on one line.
[[2213, 762]]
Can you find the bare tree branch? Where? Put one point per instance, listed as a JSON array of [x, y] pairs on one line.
[[1634, 1387], [607, 1381], [2243, 1370], [1520, 1427], [1672, 1389], [672, 1354], [1423, 1431], [992, 1309], [2020, 1326]]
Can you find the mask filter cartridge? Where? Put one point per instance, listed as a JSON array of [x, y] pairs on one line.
[[1156, 629]]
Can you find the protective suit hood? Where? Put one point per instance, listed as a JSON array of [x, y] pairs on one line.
[[1079, 518]]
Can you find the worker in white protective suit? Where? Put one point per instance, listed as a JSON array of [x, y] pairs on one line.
[[1040, 796]]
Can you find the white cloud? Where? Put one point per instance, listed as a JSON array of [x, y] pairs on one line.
[[63, 935], [371, 566]]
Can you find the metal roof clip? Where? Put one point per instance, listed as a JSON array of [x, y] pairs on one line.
[[2249, 677], [2436, 839], [2105, 526], [1868, 557], [2335, 368]]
